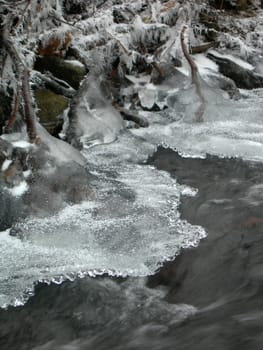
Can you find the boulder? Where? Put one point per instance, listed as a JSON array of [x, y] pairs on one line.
[[40, 180], [50, 106], [5, 109], [68, 71], [244, 78], [225, 84]]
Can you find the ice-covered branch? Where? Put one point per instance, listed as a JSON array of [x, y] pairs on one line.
[[194, 69], [22, 76]]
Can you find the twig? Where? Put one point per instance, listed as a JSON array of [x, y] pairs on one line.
[[124, 48], [55, 85], [21, 17], [53, 15]]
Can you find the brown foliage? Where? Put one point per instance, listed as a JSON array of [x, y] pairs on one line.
[[55, 46]]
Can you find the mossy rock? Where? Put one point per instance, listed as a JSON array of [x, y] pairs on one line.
[[61, 69], [50, 106]]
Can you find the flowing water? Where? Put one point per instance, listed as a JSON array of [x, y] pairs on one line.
[[207, 297]]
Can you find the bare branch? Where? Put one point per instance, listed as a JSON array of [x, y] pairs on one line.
[[22, 14], [194, 71]]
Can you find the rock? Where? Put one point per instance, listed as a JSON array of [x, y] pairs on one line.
[[67, 183], [51, 178], [10, 208], [169, 72], [75, 7], [230, 4], [5, 150], [244, 78], [50, 106], [119, 16], [61, 69], [5, 109], [133, 116], [226, 84]]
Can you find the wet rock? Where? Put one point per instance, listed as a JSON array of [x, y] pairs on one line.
[[51, 106], [67, 183], [5, 150], [65, 70], [226, 84], [75, 7], [10, 208], [230, 4], [40, 180], [5, 109], [169, 72], [244, 78], [120, 16]]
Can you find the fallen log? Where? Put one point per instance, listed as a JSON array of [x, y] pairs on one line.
[[202, 48]]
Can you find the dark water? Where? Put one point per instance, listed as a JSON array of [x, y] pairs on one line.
[[210, 297]]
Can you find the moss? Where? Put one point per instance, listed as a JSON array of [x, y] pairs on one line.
[[61, 69], [50, 107]]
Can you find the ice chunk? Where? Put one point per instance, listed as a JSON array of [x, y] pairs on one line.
[[92, 119]]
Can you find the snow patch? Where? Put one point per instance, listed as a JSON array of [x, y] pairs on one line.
[[6, 164], [19, 190]]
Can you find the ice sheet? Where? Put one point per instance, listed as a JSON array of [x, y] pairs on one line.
[[131, 227]]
